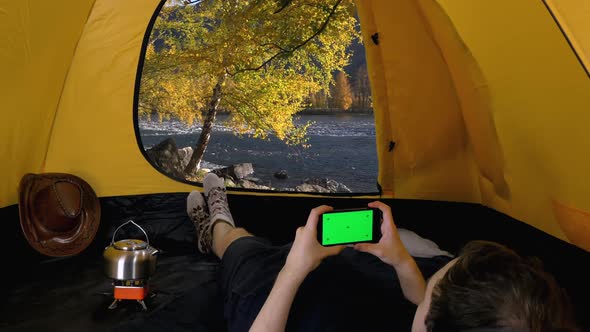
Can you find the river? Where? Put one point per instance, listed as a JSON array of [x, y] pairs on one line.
[[342, 148]]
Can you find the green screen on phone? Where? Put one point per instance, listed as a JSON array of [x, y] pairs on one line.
[[346, 227]]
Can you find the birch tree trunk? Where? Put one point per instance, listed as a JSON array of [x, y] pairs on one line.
[[199, 150]]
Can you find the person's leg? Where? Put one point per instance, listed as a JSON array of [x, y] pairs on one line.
[[224, 235], [249, 264], [224, 230], [214, 223]]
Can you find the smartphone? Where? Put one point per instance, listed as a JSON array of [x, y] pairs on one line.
[[349, 226]]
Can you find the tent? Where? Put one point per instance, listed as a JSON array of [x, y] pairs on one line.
[[481, 109]]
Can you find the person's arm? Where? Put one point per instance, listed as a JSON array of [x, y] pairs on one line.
[[411, 280], [305, 255], [392, 251]]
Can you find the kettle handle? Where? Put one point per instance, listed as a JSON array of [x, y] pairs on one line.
[[130, 222]]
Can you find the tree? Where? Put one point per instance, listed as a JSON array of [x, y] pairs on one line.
[[341, 93], [362, 88], [319, 100], [258, 60]]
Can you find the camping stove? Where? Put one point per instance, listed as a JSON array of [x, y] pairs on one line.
[[130, 290], [130, 263]]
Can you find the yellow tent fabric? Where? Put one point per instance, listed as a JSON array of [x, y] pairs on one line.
[[484, 107], [487, 102], [572, 16]]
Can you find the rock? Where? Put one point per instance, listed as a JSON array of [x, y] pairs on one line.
[[252, 185], [185, 155], [236, 172], [282, 174], [171, 160], [165, 156], [329, 185], [311, 188], [253, 179], [241, 171], [222, 172]]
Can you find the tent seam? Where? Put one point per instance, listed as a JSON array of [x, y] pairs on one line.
[[566, 37]]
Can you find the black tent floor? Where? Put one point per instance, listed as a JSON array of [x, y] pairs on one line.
[[73, 294]]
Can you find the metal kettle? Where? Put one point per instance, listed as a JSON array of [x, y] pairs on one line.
[[130, 259]]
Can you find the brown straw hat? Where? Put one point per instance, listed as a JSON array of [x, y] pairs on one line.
[[59, 213]]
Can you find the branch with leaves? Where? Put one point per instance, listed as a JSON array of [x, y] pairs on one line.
[[286, 51]]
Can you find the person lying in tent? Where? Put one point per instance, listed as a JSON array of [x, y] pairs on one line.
[[305, 286]]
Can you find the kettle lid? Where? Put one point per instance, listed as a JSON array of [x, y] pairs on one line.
[[130, 244]]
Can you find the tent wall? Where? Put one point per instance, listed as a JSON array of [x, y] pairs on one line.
[[37, 43], [540, 101], [486, 102]]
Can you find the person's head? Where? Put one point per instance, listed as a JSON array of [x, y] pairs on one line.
[[491, 286]]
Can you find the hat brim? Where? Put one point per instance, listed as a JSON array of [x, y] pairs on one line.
[[61, 244]]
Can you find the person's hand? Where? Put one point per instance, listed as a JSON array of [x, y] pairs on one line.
[[390, 248], [306, 252]]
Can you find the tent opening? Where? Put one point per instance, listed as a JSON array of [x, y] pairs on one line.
[[250, 93]]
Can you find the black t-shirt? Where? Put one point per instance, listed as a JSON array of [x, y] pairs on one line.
[[352, 291]]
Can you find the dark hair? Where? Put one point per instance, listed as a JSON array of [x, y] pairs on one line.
[[492, 286]]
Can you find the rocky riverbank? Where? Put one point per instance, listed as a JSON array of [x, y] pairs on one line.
[[167, 157]]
